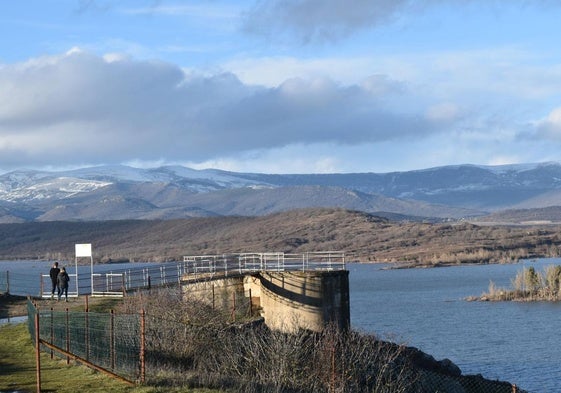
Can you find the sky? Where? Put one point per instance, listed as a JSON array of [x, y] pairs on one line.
[[279, 86]]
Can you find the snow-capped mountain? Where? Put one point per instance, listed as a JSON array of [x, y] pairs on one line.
[[119, 192], [36, 186]]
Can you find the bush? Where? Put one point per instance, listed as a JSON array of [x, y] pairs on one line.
[[190, 344]]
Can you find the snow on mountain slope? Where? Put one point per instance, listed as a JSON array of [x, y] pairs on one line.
[[204, 179], [28, 186], [47, 188], [466, 189]]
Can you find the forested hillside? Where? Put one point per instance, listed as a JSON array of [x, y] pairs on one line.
[[363, 237]]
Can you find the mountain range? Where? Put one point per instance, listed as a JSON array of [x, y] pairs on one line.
[[460, 192]]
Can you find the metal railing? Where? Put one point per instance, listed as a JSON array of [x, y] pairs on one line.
[[247, 263], [195, 267], [46, 286]]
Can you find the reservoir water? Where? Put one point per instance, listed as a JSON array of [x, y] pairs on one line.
[[426, 308], [519, 342]]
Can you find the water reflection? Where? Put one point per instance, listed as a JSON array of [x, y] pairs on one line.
[[14, 320]]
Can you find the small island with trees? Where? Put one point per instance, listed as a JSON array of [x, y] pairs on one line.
[[527, 285]]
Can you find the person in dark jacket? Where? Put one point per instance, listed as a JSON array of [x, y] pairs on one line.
[[62, 282], [53, 273]]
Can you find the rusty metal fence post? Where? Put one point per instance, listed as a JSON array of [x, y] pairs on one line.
[[67, 337], [37, 351], [52, 331], [112, 340], [142, 346], [87, 334]]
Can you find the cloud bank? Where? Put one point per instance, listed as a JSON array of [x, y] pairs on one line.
[[409, 93], [83, 108]]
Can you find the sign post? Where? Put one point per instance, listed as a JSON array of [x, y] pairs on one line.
[[84, 251]]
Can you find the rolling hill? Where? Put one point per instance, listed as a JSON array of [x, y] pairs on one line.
[[362, 236]]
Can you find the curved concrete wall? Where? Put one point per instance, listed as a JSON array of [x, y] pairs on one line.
[[303, 300]]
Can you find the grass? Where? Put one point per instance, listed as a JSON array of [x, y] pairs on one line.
[[18, 370]]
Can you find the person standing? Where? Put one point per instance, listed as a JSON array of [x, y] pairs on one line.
[[53, 273], [62, 281]]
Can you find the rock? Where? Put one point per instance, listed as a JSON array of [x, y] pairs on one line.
[[450, 368]]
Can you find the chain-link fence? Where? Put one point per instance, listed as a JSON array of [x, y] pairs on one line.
[[105, 341], [116, 343]]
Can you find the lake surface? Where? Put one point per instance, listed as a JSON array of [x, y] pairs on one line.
[[425, 308]]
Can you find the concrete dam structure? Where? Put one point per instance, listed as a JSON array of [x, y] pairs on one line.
[[302, 300], [292, 291]]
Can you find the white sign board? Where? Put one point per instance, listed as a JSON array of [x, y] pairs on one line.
[[83, 250]]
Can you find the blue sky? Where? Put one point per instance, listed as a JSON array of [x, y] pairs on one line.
[[303, 86]]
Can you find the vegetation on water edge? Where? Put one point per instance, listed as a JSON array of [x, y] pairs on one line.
[[528, 285]]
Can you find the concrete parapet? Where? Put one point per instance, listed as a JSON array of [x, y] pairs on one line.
[[216, 293], [289, 300]]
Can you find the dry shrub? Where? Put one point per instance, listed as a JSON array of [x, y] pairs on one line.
[[190, 344], [529, 285]]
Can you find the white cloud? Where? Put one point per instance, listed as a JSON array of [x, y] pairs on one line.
[[296, 158], [78, 106], [550, 127], [444, 112], [272, 71], [504, 160]]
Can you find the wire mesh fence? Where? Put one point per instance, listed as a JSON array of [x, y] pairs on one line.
[[124, 345], [109, 342]]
